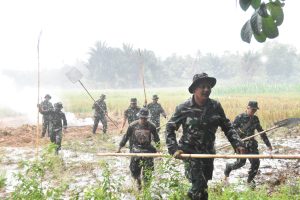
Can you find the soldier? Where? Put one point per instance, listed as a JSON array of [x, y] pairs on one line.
[[245, 124], [56, 125], [44, 107], [100, 112], [155, 110], [199, 117], [140, 133], [131, 113]]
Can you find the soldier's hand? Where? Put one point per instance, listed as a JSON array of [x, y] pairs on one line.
[[241, 150], [177, 154]]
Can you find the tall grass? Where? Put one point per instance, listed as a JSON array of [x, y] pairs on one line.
[[276, 102]]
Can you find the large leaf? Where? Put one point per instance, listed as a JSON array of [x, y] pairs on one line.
[[262, 11], [255, 4], [276, 12], [245, 4], [260, 37], [256, 23], [246, 32], [269, 27]]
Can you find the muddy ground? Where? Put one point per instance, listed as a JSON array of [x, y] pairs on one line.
[[79, 150]]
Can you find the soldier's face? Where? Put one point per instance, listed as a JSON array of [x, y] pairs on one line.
[[143, 120], [251, 111], [155, 100], [203, 91], [47, 99], [133, 105]]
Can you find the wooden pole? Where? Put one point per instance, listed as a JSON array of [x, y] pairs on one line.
[[155, 155], [247, 138], [38, 99]]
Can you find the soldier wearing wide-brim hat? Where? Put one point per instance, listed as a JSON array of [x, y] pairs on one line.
[[140, 133], [246, 123], [100, 113], [130, 114], [44, 109], [156, 110], [200, 118]]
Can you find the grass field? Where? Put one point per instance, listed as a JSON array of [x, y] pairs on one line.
[[276, 102]]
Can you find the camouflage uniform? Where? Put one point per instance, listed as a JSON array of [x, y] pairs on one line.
[[56, 125], [199, 126], [140, 137], [99, 115], [45, 106], [246, 125], [131, 113], [155, 111]]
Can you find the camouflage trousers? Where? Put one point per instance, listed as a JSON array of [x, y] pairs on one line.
[[198, 172], [103, 120], [56, 136], [137, 164], [45, 127], [241, 162]]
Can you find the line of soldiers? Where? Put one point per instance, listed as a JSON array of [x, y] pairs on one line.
[[199, 117], [54, 120]]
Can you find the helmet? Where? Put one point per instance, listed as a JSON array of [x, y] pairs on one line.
[[58, 105], [143, 113], [47, 96]]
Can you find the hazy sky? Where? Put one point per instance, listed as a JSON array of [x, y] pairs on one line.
[[70, 28]]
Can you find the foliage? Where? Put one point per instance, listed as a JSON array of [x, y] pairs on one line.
[[33, 183], [264, 21], [107, 189], [2, 180]]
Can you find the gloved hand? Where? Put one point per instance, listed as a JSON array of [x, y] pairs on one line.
[[177, 154]]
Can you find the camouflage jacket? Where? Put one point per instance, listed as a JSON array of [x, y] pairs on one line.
[[57, 117], [140, 137], [246, 126], [100, 108], [44, 109], [155, 111], [131, 114], [199, 126]]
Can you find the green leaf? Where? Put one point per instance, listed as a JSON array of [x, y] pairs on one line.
[[256, 23], [260, 37], [245, 4], [255, 3], [246, 32], [262, 11], [269, 27], [276, 12]]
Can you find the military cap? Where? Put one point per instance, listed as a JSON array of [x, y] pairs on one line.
[[253, 104], [133, 100], [155, 97], [47, 96], [199, 78], [102, 96], [143, 113], [58, 105]]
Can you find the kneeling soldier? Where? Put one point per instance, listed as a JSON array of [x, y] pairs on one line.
[[140, 134]]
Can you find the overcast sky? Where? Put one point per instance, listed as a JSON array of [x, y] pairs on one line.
[[70, 28]]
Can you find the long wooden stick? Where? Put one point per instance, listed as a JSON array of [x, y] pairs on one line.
[[38, 98], [155, 155], [143, 77], [247, 138]]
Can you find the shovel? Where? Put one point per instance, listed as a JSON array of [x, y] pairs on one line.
[[74, 75]]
